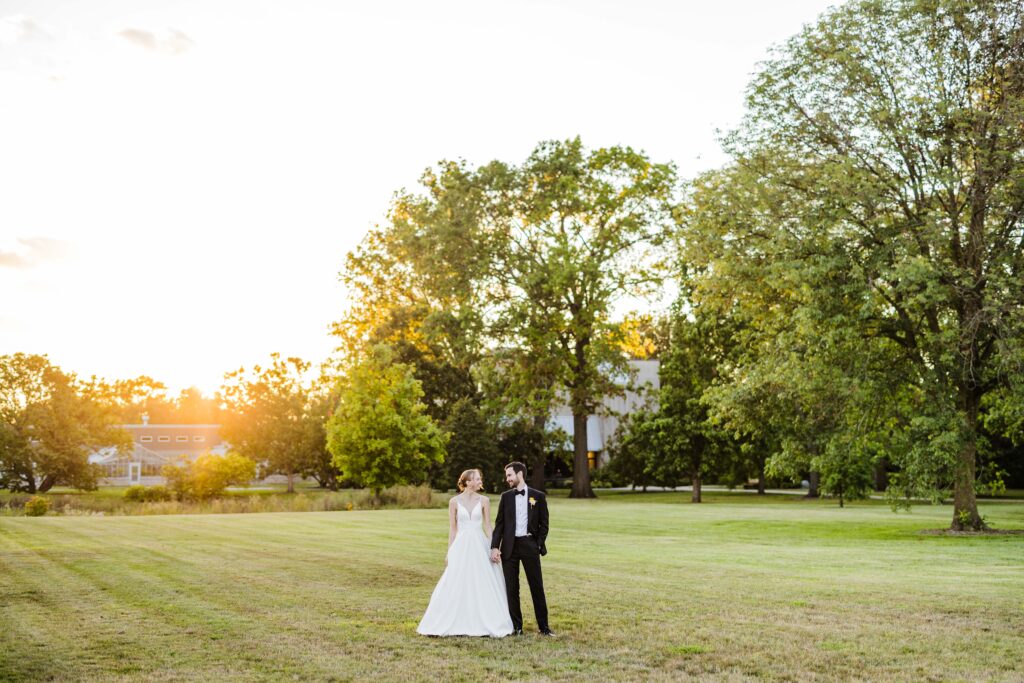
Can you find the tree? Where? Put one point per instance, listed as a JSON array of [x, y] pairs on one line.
[[635, 451], [690, 365], [320, 464], [803, 387], [49, 424], [472, 443], [270, 419], [580, 232], [887, 135], [675, 439], [192, 407], [417, 283], [208, 475], [130, 399], [380, 434], [517, 268]]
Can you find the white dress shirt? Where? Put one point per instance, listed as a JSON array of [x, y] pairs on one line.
[[521, 517]]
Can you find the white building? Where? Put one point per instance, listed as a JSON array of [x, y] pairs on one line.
[[153, 447], [601, 426]]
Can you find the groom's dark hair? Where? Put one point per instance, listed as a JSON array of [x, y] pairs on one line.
[[517, 467]]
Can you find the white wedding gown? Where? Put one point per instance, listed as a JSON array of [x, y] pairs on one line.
[[470, 599]]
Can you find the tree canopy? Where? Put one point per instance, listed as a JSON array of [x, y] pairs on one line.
[[870, 228], [380, 434], [49, 424]]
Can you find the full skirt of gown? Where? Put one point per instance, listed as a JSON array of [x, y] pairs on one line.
[[470, 598]]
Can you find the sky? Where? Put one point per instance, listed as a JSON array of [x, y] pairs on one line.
[[180, 180]]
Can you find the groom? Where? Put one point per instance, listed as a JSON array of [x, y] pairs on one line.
[[520, 530]]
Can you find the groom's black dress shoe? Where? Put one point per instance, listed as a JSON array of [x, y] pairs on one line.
[[517, 632], [548, 632]]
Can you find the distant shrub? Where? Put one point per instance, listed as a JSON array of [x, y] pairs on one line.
[[150, 494], [208, 475], [157, 494], [134, 493], [37, 506]]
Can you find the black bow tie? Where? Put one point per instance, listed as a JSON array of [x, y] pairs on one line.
[[521, 493]]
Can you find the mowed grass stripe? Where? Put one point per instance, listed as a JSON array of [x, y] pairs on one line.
[[164, 599], [638, 592]]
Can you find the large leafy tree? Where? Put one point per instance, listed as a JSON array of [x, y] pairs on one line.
[[675, 439], [272, 417], [888, 137], [49, 424], [581, 232], [417, 284], [510, 273], [380, 434]]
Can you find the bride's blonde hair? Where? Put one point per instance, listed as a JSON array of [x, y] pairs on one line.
[[464, 477]]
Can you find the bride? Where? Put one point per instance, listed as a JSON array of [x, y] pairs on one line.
[[470, 599]]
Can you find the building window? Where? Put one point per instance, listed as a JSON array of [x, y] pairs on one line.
[[199, 439], [181, 439], [163, 439], [116, 469], [146, 439]]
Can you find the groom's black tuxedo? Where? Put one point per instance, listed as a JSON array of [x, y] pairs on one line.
[[504, 536], [526, 549]]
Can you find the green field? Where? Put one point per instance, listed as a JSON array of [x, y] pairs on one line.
[[640, 588]]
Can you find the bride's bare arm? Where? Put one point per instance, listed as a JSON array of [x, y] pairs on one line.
[[486, 503], [453, 521]]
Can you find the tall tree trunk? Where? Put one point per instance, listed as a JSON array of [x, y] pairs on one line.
[[47, 483], [813, 478], [695, 478], [965, 504], [760, 479], [291, 481], [882, 474], [538, 458], [580, 467]]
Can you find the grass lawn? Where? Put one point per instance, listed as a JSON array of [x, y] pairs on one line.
[[641, 587]]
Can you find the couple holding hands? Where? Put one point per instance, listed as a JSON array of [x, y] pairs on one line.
[[478, 594]]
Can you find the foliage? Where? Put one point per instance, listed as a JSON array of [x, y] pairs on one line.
[[634, 451], [472, 443], [37, 506], [581, 230], [380, 434], [274, 420], [208, 475], [845, 473], [675, 438], [148, 494], [872, 219], [509, 274], [132, 399], [49, 424]]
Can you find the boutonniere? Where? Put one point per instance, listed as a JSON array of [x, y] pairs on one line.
[[533, 501]]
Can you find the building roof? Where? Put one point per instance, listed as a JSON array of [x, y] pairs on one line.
[[180, 440]]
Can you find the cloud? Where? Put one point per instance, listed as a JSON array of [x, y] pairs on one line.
[[19, 28], [173, 42], [34, 251]]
